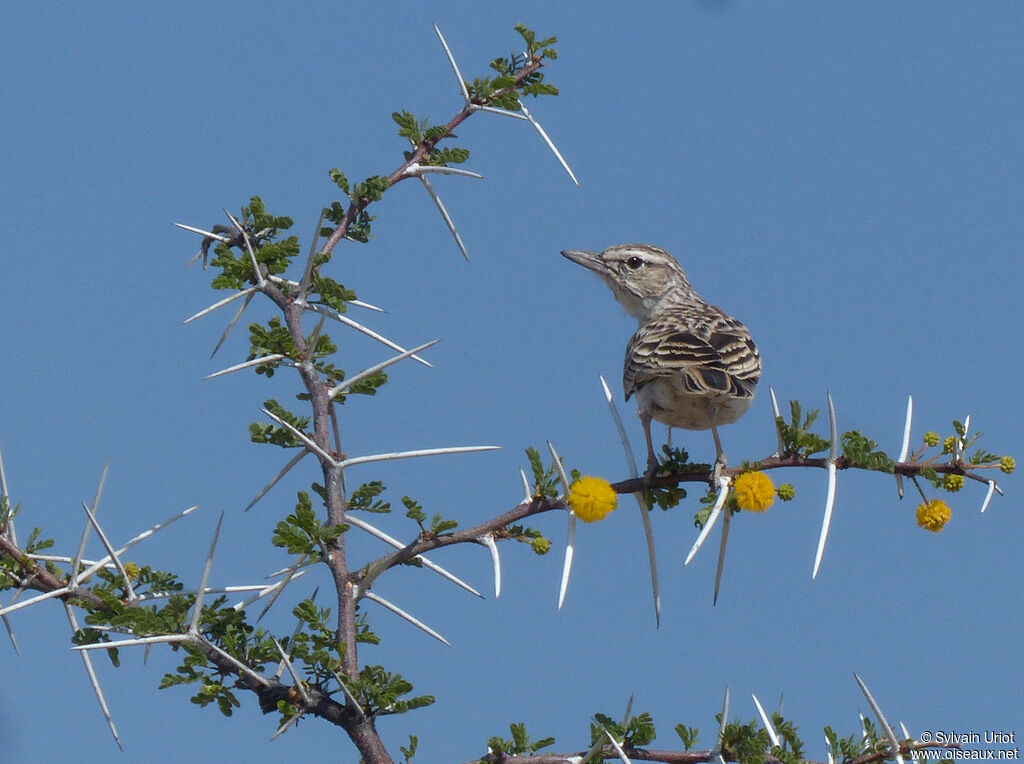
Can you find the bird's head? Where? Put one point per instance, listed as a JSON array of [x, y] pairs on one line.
[[640, 275]]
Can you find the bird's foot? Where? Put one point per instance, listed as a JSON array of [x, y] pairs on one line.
[[716, 471]]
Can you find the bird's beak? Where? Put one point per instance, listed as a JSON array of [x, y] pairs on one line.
[[587, 259]]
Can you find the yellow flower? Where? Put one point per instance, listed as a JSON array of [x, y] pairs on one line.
[[1007, 464], [953, 483], [754, 491], [591, 498], [931, 438], [933, 515]]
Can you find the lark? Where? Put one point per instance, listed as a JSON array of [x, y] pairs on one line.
[[690, 364]]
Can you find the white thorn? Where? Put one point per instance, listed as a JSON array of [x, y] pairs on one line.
[[93, 680], [391, 541], [343, 319], [645, 516], [311, 444], [826, 521], [570, 540], [284, 727], [138, 641], [721, 554], [488, 541], [201, 232], [418, 170], [402, 614], [561, 470], [776, 415], [366, 306], [10, 634], [347, 383], [293, 574], [445, 216], [412, 454], [193, 627], [526, 487], [132, 597], [295, 460], [550, 143], [248, 247], [905, 448], [502, 112], [988, 495], [721, 726], [231, 324], [262, 360], [723, 492], [219, 304], [766, 722], [307, 273], [33, 600], [618, 748], [833, 432], [348, 694], [239, 666], [889, 734], [455, 67], [299, 684]]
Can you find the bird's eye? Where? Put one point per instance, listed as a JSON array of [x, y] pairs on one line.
[[635, 262]]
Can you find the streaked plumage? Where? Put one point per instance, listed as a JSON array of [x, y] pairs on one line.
[[689, 364]]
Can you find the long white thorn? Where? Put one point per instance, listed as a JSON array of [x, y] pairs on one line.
[[132, 596], [10, 634], [193, 626], [723, 493], [502, 112], [570, 541], [343, 319], [170, 639], [292, 574], [776, 415], [219, 304], [988, 495], [5, 494], [526, 487], [833, 432], [417, 170], [262, 360], [33, 600], [455, 67], [284, 727], [201, 232], [618, 748], [488, 541], [347, 383], [299, 684], [721, 555], [94, 680], [266, 489], [826, 521], [248, 248], [239, 666], [402, 614], [311, 444], [905, 448], [413, 454], [766, 722], [88, 526], [550, 143], [307, 273], [391, 541], [231, 325], [717, 749], [445, 216], [280, 586], [886, 728]]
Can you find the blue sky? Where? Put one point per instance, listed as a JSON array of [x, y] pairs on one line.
[[845, 178]]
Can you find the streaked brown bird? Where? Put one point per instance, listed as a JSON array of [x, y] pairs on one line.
[[690, 364]]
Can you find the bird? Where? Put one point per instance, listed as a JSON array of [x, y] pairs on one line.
[[689, 364]]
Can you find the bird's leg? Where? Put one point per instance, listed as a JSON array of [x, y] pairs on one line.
[[652, 460], [719, 454]]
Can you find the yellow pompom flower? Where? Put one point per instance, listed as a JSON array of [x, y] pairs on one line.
[[952, 482], [933, 515], [754, 491], [591, 498], [931, 438], [1007, 464]]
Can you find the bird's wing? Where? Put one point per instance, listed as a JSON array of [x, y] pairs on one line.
[[710, 350]]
